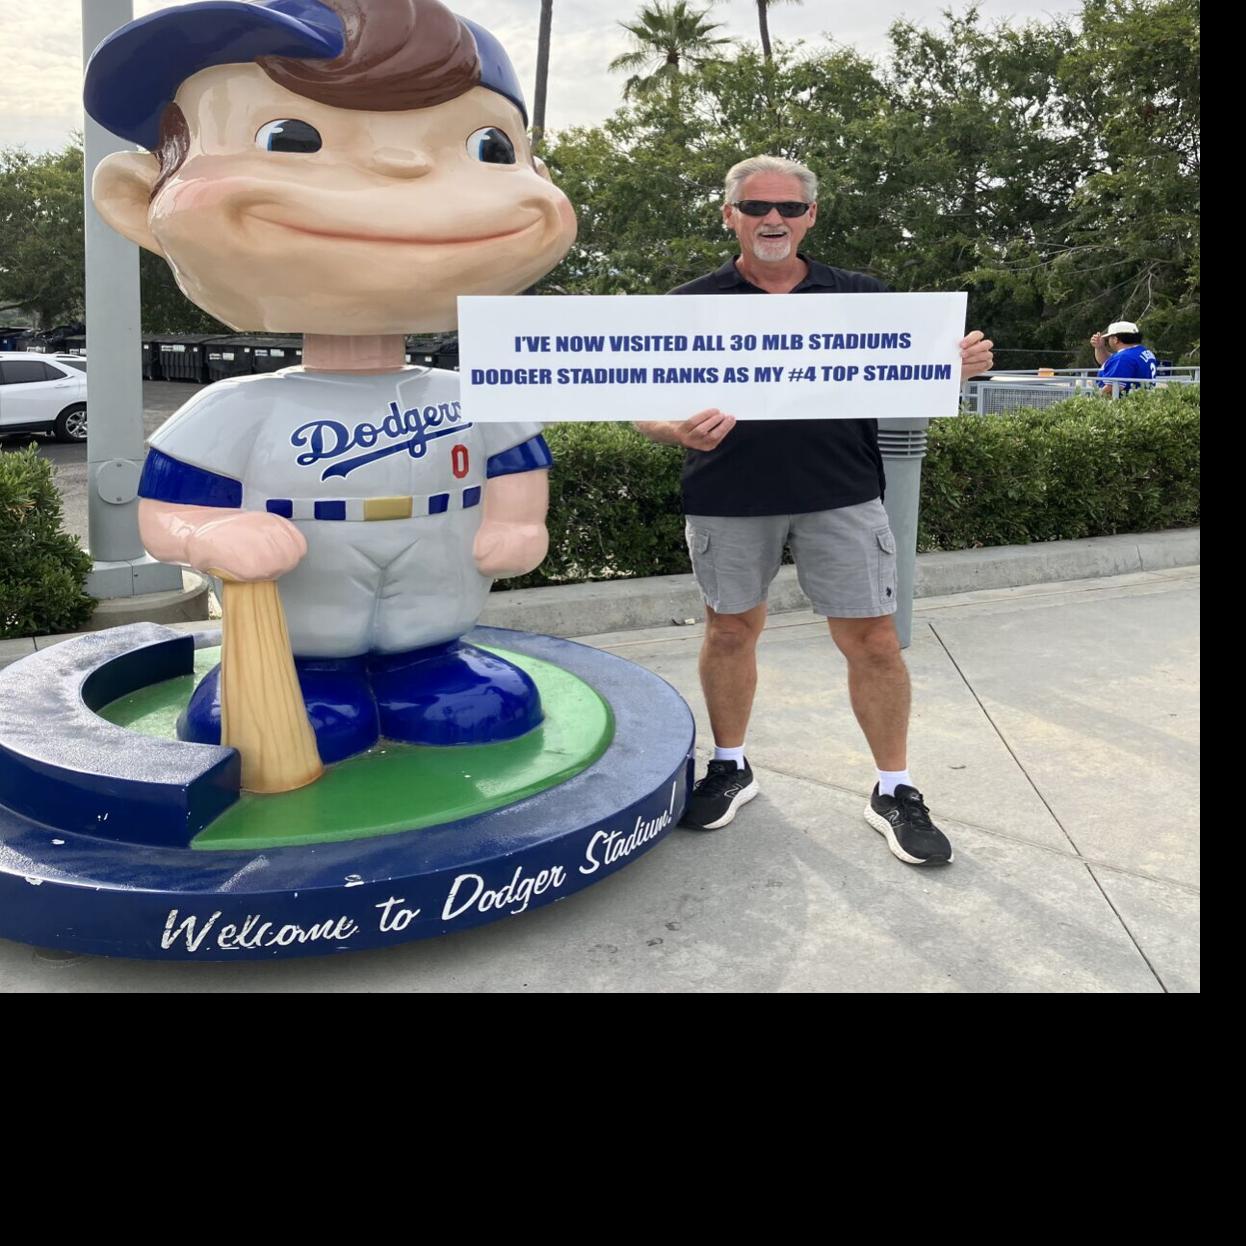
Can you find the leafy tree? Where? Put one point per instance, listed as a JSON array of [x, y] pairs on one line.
[[669, 39], [1049, 168], [1132, 87], [41, 234], [165, 308], [43, 252], [980, 170]]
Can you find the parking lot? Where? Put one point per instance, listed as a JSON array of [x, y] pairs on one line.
[[69, 463]]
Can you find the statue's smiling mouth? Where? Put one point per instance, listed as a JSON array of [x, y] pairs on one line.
[[363, 235]]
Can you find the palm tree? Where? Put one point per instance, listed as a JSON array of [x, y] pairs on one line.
[[542, 71], [763, 21], [667, 36]]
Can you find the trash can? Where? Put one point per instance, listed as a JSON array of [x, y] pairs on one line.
[[177, 357], [54, 339], [76, 345], [438, 350], [448, 354], [183, 356], [271, 354], [228, 356], [151, 360], [422, 351]]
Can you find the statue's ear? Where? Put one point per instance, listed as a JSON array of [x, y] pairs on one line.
[[122, 190]]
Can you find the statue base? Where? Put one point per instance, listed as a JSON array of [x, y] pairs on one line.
[[117, 839]]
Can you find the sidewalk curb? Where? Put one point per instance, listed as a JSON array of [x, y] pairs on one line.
[[624, 605]]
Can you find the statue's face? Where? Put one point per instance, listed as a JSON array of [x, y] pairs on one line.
[[289, 215]]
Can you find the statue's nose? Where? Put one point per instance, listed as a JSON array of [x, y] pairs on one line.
[[401, 162]]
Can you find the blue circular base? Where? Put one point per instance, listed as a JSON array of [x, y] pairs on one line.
[[72, 877]]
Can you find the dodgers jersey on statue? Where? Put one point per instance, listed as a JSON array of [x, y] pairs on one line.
[[383, 476]]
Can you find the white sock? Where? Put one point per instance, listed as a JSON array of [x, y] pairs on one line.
[[730, 754], [889, 780]]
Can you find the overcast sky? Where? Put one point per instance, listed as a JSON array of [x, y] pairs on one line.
[[41, 49]]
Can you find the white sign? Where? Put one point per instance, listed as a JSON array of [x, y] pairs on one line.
[[664, 357]]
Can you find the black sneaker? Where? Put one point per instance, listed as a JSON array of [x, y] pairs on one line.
[[905, 821], [716, 798]]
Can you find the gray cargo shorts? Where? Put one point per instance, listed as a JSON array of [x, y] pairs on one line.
[[845, 559]]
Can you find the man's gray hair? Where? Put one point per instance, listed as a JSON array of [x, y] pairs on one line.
[[739, 173]]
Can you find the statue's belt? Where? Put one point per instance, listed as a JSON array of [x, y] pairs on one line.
[[363, 510]]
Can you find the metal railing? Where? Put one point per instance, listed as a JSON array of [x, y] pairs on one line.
[[1044, 387]]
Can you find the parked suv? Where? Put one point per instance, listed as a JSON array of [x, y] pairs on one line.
[[43, 393]]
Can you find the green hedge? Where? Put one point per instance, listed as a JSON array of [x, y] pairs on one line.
[[42, 570], [1087, 467], [614, 507]]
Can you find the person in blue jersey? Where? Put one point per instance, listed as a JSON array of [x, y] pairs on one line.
[[1122, 358]]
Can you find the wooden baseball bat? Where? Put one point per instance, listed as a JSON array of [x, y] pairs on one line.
[[262, 711]]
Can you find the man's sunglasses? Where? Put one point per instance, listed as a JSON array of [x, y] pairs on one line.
[[762, 207]]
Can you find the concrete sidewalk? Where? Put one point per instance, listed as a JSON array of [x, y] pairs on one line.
[[1055, 735]]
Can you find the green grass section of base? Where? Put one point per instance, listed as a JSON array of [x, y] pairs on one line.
[[396, 787]]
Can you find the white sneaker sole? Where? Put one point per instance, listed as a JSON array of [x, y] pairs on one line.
[[745, 795], [884, 828]]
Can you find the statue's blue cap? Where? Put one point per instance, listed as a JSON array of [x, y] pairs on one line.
[[135, 73]]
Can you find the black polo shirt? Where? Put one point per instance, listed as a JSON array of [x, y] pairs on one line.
[[785, 467]]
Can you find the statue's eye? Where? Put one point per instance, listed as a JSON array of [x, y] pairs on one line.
[[491, 146], [288, 136]]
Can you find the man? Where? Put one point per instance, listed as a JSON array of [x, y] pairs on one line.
[[1122, 358], [750, 489], [345, 170]]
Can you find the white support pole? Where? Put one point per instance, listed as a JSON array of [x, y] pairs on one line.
[[114, 370]]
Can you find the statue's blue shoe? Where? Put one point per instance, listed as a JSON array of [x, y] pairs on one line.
[[452, 694], [339, 704]]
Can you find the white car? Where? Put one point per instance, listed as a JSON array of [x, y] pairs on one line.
[[43, 393]]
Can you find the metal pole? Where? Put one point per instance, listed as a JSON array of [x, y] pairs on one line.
[[542, 71], [114, 370], [903, 443]]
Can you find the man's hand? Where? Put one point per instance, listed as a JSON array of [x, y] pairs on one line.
[[1097, 340], [975, 355], [703, 431]]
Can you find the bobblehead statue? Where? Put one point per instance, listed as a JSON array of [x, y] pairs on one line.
[[342, 169]]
